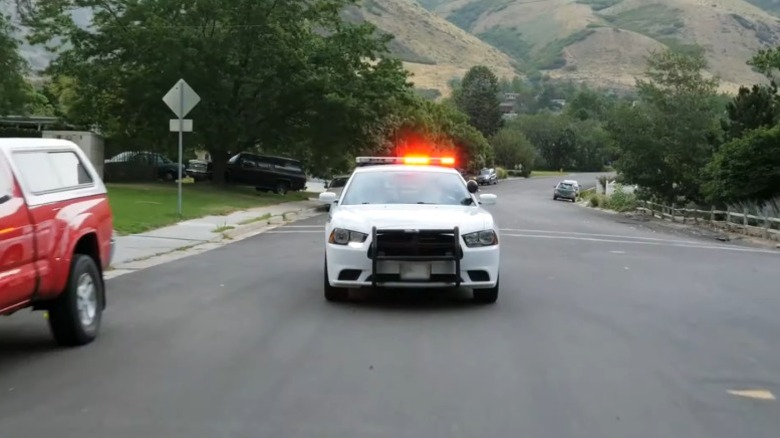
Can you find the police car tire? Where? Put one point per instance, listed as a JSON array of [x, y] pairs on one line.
[[486, 296], [333, 294]]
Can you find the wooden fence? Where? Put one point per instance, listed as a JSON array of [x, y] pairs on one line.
[[730, 220]]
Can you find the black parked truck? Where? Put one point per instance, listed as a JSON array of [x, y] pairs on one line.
[[266, 172]]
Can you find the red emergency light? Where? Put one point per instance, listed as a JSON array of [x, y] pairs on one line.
[[417, 160]]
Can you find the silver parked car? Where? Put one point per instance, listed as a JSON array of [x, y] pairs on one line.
[[336, 185]]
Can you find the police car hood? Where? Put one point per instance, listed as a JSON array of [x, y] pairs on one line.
[[419, 217]]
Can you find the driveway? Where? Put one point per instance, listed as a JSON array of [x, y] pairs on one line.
[[602, 330]]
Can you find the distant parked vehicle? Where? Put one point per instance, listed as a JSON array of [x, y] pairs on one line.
[[565, 190], [336, 185], [266, 172], [127, 163], [574, 184], [487, 177], [199, 170]]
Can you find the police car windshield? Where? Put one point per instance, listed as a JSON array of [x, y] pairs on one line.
[[405, 187]]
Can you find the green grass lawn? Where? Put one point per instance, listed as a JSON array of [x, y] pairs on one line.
[[142, 207]]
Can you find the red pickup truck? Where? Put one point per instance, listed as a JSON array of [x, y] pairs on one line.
[[56, 236]]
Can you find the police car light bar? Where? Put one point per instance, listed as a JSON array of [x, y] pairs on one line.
[[409, 160]]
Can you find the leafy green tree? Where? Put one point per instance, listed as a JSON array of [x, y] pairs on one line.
[[478, 97], [746, 169], [512, 148], [553, 137], [588, 104], [594, 146], [439, 128], [14, 89], [279, 76], [666, 139], [766, 61], [750, 109]]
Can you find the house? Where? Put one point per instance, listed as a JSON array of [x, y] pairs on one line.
[[507, 107]]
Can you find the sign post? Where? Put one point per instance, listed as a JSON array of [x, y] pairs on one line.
[[181, 99]]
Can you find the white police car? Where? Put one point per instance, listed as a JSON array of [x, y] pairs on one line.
[[410, 222]]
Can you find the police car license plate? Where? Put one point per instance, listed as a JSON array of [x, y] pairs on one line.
[[415, 271]]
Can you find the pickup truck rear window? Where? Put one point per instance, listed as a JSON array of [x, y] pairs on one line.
[[48, 171], [5, 181]]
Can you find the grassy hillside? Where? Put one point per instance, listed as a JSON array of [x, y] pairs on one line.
[[600, 42], [604, 42], [432, 48]]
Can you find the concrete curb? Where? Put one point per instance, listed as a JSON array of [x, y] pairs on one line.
[[220, 239], [267, 224]]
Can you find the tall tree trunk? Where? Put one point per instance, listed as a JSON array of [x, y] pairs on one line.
[[219, 166]]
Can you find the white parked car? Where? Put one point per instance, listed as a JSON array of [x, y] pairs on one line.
[[410, 225], [336, 185]]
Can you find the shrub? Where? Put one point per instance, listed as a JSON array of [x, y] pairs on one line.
[[621, 200], [501, 173]]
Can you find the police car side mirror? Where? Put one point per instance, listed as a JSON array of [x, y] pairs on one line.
[[472, 186], [327, 197], [488, 199]]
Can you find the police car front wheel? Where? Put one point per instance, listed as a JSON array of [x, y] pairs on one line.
[[333, 294], [486, 296]]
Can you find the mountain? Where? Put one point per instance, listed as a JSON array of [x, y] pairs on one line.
[[604, 42], [598, 42], [433, 49]]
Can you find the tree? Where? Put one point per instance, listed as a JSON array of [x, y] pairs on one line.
[[766, 61], [746, 169], [478, 97], [750, 109], [439, 128], [512, 148], [666, 140], [587, 104], [593, 145], [279, 76], [14, 89], [553, 137]]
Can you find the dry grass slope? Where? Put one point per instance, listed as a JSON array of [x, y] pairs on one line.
[[604, 42], [434, 49]]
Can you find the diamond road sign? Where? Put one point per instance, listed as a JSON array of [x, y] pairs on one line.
[[181, 99]]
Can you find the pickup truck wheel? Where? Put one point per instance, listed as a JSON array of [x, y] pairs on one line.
[[75, 316], [486, 296], [334, 294]]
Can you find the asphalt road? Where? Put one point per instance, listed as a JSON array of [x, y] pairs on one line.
[[602, 330]]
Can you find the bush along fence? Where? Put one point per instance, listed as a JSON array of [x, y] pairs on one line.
[[766, 227]]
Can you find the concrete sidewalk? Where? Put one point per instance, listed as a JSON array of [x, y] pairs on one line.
[[186, 234]]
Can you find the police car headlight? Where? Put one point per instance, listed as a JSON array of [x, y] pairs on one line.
[[481, 238], [341, 236]]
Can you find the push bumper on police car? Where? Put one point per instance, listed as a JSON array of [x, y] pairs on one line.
[[413, 258]]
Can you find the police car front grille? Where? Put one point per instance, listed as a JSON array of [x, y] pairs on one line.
[[415, 243]]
